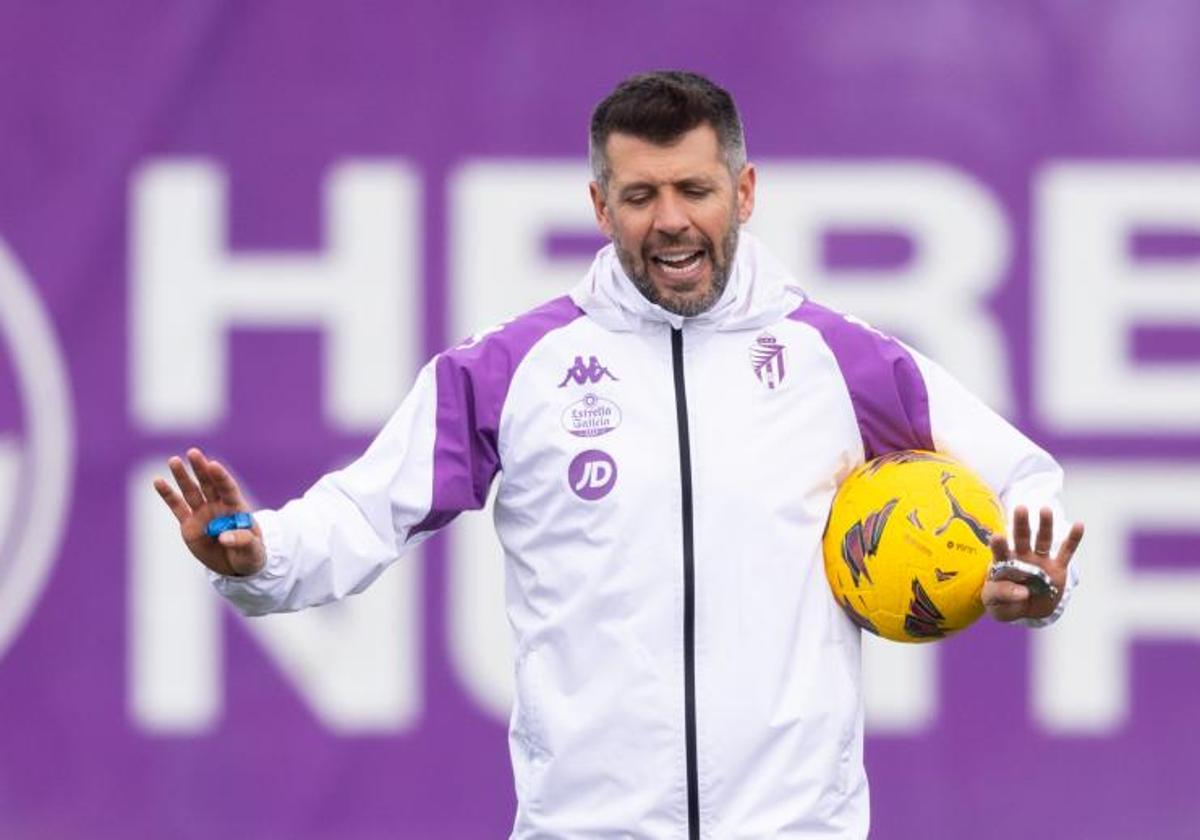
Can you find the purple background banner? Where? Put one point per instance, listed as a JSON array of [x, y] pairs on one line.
[[275, 96]]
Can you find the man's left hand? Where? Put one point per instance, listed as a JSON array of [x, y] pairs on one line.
[[1006, 600]]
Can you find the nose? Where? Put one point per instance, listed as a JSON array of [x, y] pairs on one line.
[[671, 216]]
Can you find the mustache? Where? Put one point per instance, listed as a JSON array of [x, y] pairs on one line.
[[660, 240]]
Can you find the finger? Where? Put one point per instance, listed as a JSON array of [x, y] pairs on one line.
[[999, 592], [1021, 531], [225, 486], [999, 545], [174, 501], [1045, 533], [1067, 550], [1005, 600], [187, 485], [1008, 612], [243, 551], [200, 468]]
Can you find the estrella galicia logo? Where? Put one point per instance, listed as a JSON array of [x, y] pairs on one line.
[[592, 474], [592, 372], [37, 446], [591, 416]]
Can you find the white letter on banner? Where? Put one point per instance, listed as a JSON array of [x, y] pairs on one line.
[[355, 663], [938, 299], [361, 292], [900, 686], [1090, 292], [1081, 670], [500, 217]]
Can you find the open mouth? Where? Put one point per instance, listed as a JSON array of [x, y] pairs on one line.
[[682, 264]]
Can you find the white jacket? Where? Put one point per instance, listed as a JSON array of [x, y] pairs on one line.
[[681, 666]]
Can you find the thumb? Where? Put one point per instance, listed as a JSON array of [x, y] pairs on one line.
[[244, 551]]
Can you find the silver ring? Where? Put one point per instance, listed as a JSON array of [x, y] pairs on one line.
[[1045, 553]]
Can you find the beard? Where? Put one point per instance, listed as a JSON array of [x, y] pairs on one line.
[[638, 271]]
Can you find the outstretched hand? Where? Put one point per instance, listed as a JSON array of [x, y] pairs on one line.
[[199, 500], [1006, 600]]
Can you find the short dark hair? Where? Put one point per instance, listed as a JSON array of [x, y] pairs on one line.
[[662, 106]]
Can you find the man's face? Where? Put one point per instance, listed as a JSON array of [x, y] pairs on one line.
[[673, 214]]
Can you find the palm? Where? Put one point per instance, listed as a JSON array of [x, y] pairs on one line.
[[1008, 601], [211, 494], [195, 533]]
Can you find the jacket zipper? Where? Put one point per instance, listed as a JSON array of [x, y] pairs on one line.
[[689, 589]]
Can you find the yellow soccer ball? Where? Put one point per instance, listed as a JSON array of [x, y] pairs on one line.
[[906, 545]]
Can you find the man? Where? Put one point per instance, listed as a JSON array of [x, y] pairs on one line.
[[681, 667]]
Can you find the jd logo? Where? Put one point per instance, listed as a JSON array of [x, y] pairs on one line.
[[36, 446], [592, 474]]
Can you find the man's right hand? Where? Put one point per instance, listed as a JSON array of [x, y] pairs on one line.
[[212, 493]]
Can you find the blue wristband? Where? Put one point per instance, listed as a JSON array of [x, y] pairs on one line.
[[221, 524]]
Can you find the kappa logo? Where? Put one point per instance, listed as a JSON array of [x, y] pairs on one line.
[[766, 359], [592, 474], [592, 372], [37, 446]]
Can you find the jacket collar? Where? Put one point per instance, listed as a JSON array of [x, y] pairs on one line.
[[760, 291]]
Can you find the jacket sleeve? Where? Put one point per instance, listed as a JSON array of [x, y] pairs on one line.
[[354, 522], [436, 457], [1021, 472]]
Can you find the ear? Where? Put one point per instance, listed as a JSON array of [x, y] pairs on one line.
[[746, 181], [600, 205]]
